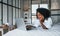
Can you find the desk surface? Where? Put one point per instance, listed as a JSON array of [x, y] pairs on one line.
[[18, 32]]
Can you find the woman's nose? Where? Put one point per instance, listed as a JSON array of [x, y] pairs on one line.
[[39, 16]]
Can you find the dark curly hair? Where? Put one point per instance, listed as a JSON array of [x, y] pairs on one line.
[[45, 12]]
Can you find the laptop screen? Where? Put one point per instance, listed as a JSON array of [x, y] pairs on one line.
[[20, 24]]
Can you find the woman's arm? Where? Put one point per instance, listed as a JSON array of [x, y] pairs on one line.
[[47, 23], [29, 27], [43, 26]]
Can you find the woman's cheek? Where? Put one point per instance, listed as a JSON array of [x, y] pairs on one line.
[[40, 19]]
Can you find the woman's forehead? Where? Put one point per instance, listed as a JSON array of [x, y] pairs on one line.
[[38, 13]]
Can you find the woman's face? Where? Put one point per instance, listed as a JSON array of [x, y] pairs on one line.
[[40, 16]]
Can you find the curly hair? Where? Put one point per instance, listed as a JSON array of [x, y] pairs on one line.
[[45, 12]]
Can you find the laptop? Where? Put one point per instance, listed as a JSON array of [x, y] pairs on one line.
[[20, 24]]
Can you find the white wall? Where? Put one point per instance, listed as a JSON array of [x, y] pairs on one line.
[[56, 18]]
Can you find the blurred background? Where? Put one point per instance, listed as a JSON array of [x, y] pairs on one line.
[[10, 10]]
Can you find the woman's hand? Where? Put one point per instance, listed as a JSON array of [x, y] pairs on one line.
[[28, 27], [43, 26]]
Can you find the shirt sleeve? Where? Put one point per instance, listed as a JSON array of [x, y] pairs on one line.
[[48, 23]]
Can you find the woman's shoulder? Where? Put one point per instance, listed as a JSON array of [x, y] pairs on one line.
[[48, 20]]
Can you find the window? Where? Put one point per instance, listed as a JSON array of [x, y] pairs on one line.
[[17, 13], [0, 0], [34, 7], [13, 2], [13, 16], [10, 15], [9, 10], [5, 1], [0, 14], [13, 12], [4, 13], [44, 6], [10, 2], [17, 3]]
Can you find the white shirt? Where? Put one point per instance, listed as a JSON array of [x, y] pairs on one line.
[[47, 23]]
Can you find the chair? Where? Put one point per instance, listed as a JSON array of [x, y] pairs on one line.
[[1, 31]]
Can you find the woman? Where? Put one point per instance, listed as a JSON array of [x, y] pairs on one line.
[[44, 19]]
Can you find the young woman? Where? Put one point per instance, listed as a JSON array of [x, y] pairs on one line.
[[43, 18]]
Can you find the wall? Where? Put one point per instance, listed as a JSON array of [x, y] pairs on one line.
[[55, 5]]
